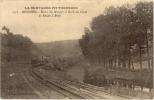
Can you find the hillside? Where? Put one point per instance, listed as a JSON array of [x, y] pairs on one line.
[[16, 54], [67, 48], [18, 48]]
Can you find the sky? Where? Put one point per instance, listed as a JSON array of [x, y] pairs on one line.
[[47, 29]]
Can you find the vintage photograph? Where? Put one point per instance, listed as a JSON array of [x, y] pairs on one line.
[[76, 49]]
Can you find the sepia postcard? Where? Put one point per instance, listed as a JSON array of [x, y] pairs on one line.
[[76, 49]]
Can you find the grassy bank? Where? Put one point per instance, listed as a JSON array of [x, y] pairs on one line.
[[12, 82]]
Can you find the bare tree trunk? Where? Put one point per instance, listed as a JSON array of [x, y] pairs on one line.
[[104, 62], [108, 63], [148, 57], [140, 58], [152, 62], [124, 65], [111, 63], [132, 64], [129, 61], [129, 64], [115, 63], [119, 64], [147, 45]]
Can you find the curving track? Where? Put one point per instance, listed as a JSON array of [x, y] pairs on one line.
[[73, 90], [53, 85]]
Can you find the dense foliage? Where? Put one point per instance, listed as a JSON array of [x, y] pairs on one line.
[[120, 36], [15, 46]]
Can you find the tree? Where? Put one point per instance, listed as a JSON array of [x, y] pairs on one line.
[[16, 46], [118, 35], [144, 13]]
